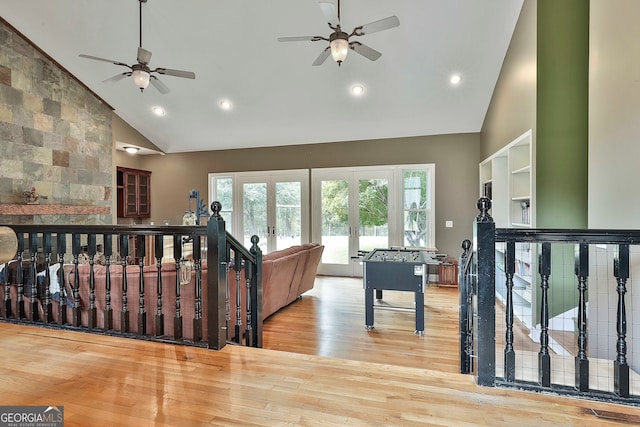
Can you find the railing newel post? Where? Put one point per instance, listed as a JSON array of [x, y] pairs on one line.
[[216, 279], [485, 237], [256, 293]]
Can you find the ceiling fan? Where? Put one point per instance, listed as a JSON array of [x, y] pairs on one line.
[[339, 43], [141, 73]]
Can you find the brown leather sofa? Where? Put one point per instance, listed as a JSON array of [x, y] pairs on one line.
[[286, 275]]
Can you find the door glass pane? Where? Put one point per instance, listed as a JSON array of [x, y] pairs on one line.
[[373, 230], [224, 194], [334, 201], [415, 208], [254, 202], [288, 214]]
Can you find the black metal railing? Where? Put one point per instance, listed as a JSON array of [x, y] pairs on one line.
[[116, 280], [495, 271]]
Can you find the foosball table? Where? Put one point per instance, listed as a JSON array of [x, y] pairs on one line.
[[396, 270]]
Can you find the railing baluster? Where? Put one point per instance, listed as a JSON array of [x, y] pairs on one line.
[[238, 269], [177, 255], [7, 292], [92, 250], [75, 250], [159, 249], [61, 246], [142, 314], [466, 326], [197, 265], [509, 352], [227, 293], [20, 276], [124, 255], [248, 276], [47, 306], [544, 358], [620, 365], [107, 245], [581, 361], [33, 250]]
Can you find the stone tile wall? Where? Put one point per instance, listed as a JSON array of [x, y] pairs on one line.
[[54, 135]]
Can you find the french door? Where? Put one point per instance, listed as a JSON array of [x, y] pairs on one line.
[[353, 211], [274, 207]]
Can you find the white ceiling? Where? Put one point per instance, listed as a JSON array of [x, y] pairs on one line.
[[278, 97]]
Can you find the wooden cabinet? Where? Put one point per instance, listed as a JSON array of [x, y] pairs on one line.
[[134, 193]]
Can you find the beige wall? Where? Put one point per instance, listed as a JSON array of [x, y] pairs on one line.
[[512, 110], [456, 158], [614, 114]]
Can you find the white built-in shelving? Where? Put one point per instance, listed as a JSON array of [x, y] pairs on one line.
[[507, 178]]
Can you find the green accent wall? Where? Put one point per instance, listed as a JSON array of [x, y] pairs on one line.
[[562, 145], [562, 112]]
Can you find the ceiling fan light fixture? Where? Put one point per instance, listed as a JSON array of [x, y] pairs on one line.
[[455, 79], [140, 79], [339, 49]]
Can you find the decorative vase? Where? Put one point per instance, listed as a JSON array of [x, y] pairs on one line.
[[189, 218]]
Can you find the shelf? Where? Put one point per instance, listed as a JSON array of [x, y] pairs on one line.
[[525, 169], [13, 209]]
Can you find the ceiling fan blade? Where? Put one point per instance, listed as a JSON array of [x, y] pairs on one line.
[[144, 56], [300, 39], [104, 59], [365, 50], [382, 24], [117, 77], [322, 57], [175, 73], [330, 13], [161, 87]]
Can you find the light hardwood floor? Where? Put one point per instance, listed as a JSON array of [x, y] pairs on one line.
[[328, 371]]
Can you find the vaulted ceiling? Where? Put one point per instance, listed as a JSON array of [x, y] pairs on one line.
[[277, 97]]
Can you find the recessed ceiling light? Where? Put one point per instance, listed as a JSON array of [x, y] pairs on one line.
[[455, 79], [225, 105], [357, 89], [158, 111], [131, 150]]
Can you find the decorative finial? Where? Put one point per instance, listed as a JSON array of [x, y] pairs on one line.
[[484, 204], [255, 249], [466, 244], [216, 207]]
